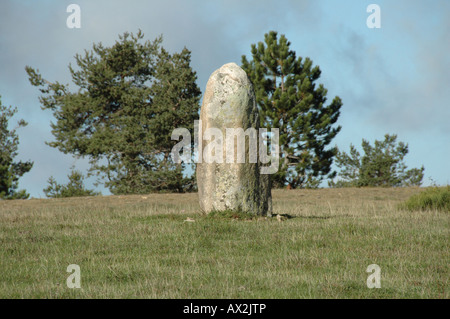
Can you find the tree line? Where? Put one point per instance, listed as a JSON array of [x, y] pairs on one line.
[[130, 96]]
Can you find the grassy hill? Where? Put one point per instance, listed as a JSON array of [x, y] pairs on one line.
[[143, 247]]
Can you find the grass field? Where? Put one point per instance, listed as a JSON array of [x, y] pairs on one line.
[[141, 247]]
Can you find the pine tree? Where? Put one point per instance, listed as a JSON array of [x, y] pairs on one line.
[[130, 97], [289, 99], [381, 165], [10, 171]]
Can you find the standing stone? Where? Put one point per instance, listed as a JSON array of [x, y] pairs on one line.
[[229, 102]]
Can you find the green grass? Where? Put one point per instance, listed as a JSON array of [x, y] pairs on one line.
[[434, 198], [144, 247]]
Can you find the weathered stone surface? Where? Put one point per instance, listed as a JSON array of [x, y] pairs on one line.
[[229, 102], [266, 195]]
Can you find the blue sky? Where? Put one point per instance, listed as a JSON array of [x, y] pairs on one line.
[[392, 80]]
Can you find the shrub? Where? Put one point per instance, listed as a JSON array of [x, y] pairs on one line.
[[381, 165], [74, 188], [435, 198]]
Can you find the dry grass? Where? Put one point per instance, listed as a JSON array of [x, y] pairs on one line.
[[141, 246]]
